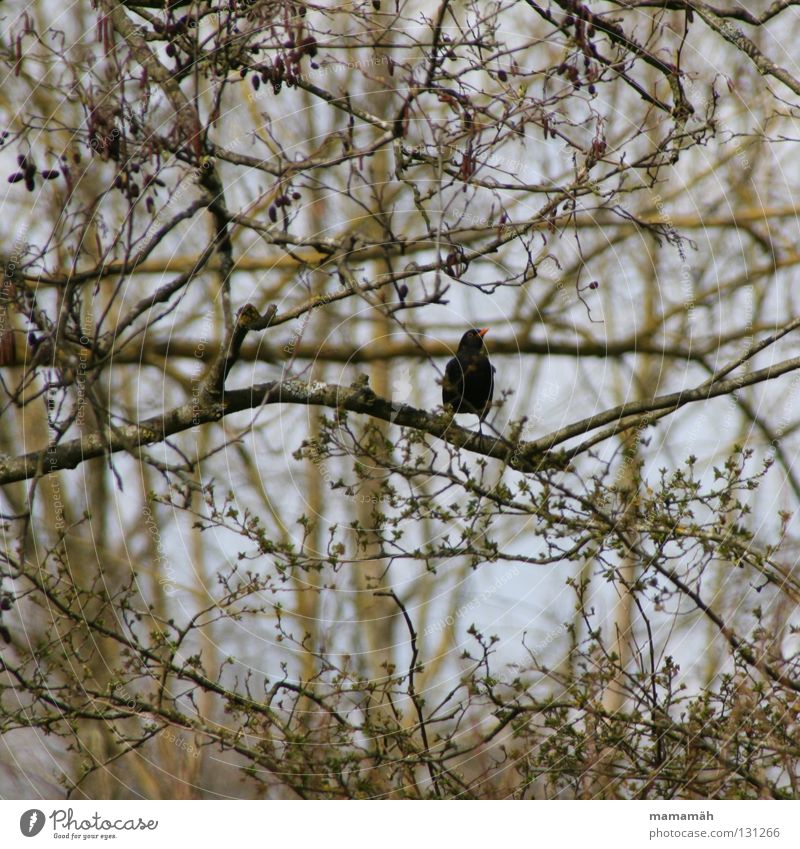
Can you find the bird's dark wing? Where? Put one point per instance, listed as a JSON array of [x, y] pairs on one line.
[[485, 388], [453, 383]]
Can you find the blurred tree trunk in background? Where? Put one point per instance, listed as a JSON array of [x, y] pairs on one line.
[[245, 551]]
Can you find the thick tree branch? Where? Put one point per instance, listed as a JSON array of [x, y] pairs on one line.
[[358, 398], [525, 456], [739, 13], [187, 116], [741, 42], [643, 413]]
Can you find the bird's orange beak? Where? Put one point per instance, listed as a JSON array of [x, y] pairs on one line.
[[483, 332]]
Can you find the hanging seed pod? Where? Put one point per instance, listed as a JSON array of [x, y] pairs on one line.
[[309, 45]]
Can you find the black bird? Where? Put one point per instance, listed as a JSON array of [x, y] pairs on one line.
[[468, 382]]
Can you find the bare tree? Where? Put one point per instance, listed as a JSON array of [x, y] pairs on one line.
[[241, 537]]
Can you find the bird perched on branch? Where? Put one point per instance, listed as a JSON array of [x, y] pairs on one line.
[[468, 382]]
